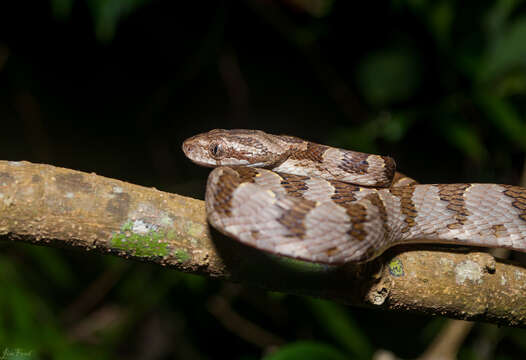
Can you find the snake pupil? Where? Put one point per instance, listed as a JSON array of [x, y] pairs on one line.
[[215, 149]]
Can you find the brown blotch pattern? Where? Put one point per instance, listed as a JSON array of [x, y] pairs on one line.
[[519, 198], [294, 219], [407, 206], [374, 198], [358, 215], [295, 185], [314, 153], [222, 193], [247, 174], [354, 162], [390, 171], [454, 195], [343, 192], [499, 230]]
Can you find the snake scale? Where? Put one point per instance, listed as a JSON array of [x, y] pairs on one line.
[[312, 202]]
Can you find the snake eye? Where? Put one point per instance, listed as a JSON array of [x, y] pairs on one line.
[[216, 150]]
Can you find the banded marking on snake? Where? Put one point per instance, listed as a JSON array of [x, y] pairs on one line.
[[317, 203]]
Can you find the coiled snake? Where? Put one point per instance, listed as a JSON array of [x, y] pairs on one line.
[[317, 203]]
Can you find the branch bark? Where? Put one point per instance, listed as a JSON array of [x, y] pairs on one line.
[[47, 205]]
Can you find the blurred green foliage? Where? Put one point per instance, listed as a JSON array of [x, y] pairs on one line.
[[440, 85], [389, 76], [308, 350], [335, 320], [106, 14]]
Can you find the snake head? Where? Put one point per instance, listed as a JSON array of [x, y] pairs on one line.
[[236, 147]]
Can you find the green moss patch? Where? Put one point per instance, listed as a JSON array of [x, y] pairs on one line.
[[182, 255], [150, 244], [396, 267]]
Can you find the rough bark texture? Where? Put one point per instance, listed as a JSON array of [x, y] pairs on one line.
[[47, 205]]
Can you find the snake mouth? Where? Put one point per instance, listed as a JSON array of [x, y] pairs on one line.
[[205, 164]]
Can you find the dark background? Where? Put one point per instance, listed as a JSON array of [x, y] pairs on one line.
[[115, 86]]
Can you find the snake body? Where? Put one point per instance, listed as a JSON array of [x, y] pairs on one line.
[[295, 198]]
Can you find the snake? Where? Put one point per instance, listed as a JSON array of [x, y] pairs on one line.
[[299, 199]]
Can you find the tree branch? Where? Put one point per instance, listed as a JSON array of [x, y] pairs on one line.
[[47, 205]]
